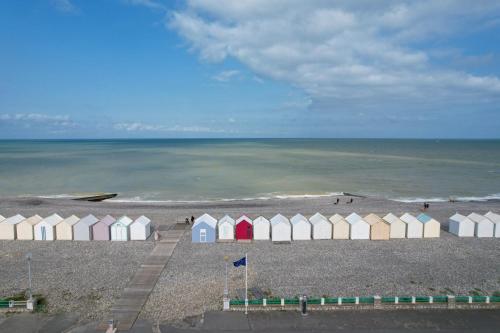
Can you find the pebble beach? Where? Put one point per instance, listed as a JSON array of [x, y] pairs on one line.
[[87, 277]]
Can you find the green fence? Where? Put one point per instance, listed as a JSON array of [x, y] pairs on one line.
[[352, 300]]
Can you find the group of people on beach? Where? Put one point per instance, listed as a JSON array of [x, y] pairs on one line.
[[187, 220], [350, 201]]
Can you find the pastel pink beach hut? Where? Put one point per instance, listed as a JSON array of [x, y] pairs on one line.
[[101, 230]]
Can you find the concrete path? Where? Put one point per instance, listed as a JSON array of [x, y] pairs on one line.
[[127, 308]]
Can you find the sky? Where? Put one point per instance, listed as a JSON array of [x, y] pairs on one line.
[[249, 69]]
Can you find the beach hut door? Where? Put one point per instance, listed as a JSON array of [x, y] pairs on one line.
[[44, 233], [249, 232], [203, 235]]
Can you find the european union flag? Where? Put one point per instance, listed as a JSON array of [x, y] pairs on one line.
[[241, 262]]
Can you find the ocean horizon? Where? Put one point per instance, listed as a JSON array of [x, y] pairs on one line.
[[246, 169]]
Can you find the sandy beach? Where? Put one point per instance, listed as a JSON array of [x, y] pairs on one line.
[[86, 277]]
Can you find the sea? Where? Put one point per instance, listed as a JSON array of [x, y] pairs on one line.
[[170, 170]]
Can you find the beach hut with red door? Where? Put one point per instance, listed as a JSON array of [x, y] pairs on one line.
[[244, 229]]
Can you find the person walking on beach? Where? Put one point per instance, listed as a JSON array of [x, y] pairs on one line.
[[337, 201], [192, 219], [187, 221]]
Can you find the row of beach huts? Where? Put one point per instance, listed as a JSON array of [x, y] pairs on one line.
[[207, 229], [54, 227]]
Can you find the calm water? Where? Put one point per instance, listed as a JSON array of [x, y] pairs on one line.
[[229, 169]]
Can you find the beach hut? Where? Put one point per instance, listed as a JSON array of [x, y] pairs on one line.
[[359, 228], [321, 227], [340, 227], [101, 229], [82, 230], [495, 218], [64, 230], [225, 228], [398, 227], [281, 229], [261, 228], [140, 229], [26, 229], [46, 228], [120, 230], [8, 227], [244, 229], [432, 228], [203, 229], [379, 228], [414, 228], [301, 228], [461, 226], [483, 226]]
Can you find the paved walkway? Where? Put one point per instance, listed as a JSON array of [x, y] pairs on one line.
[[127, 308]]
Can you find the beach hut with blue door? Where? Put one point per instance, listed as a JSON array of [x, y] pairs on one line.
[[204, 229], [8, 227], [461, 226], [120, 230], [432, 228], [46, 228], [82, 230], [495, 218]]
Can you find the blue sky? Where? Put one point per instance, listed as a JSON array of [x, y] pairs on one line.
[[255, 68]]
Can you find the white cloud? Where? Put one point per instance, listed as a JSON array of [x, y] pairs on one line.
[[226, 76], [65, 6], [38, 119], [141, 127], [355, 52], [147, 3]]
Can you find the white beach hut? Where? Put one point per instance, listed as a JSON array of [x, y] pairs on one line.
[[359, 228], [341, 227], [46, 228], [414, 228], [225, 228], [432, 228], [397, 227], [82, 230], [461, 226], [301, 228], [8, 226], [26, 229], [495, 218], [140, 229], [281, 229], [321, 227], [261, 228], [483, 226], [64, 230], [120, 230]]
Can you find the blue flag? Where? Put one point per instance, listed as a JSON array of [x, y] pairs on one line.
[[241, 262]]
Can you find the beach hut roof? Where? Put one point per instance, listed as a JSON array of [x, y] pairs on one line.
[[493, 217], [142, 220], [279, 219], [478, 218], [373, 218], [73, 219], [206, 218], [424, 218], [35, 219], [14, 219], [227, 219], [336, 218], [459, 218], [408, 218], [317, 218], [391, 218], [353, 218], [244, 218], [125, 220], [261, 219], [53, 219], [298, 218], [108, 220], [89, 220]]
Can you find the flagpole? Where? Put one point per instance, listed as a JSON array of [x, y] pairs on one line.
[[246, 283]]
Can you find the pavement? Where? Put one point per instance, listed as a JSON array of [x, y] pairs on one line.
[[480, 321]]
